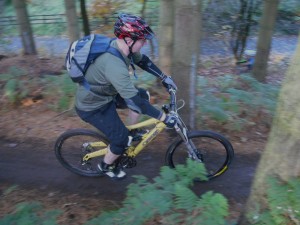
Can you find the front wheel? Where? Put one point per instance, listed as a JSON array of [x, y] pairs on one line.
[[73, 145], [213, 149]]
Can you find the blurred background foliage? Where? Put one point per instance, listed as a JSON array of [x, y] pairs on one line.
[[218, 16], [230, 94]]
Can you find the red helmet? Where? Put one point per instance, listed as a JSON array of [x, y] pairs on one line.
[[135, 27]]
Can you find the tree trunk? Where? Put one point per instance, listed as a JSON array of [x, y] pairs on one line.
[[281, 157], [24, 27], [73, 27], [143, 10], [2, 4], [186, 50], [241, 27], [165, 38], [266, 28], [85, 19]]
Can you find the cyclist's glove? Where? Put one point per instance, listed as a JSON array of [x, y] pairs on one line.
[[168, 82], [170, 120]]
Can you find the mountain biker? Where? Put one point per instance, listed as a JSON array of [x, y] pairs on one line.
[[111, 88]]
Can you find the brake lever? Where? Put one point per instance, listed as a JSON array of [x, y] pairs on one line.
[[166, 108], [171, 90]]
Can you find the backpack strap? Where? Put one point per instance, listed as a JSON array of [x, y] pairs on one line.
[[117, 53], [114, 51], [111, 50]]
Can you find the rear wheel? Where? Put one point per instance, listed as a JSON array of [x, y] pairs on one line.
[[214, 150], [73, 145]]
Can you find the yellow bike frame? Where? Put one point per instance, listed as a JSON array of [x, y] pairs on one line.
[[132, 151]]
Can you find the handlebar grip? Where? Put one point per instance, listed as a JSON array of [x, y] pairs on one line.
[[172, 93]]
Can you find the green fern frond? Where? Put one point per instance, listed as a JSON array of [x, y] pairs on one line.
[[16, 71], [283, 203], [185, 198], [235, 98], [294, 195], [277, 198], [30, 213], [196, 170], [217, 113], [167, 175], [213, 208], [6, 77], [10, 90]]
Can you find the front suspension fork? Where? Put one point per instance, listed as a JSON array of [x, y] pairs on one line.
[[191, 148]]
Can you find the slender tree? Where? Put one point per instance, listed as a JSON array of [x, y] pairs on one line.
[[149, 21], [266, 28], [281, 157], [24, 27], [186, 50], [72, 21], [85, 18], [165, 34], [241, 26], [2, 4], [143, 10]]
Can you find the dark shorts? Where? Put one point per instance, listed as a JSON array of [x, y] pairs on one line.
[[107, 120]]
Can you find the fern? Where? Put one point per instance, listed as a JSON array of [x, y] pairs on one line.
[[283, 204], [213, 209], [64, 90], [10, 189], [10, 90], [30, 213], [169, 200], [217, 113], [184, 198], [235, 99]]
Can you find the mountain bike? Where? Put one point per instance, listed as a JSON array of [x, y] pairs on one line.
[[79, 150]]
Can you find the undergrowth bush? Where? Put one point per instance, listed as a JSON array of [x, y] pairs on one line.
[[14, 85], [18, 84], [168, 200], [235, 100], [62, 89], [283, 205], [30, 213]]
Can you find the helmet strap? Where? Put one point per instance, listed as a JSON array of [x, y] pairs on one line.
[[130, 56]]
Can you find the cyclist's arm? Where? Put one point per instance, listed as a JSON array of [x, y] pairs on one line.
[[142, 106], [119, 77], [146, 64]]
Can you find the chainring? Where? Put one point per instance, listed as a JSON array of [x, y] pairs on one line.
[[127, 161]]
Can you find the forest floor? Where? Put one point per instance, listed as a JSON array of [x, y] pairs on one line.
[[29, 171]]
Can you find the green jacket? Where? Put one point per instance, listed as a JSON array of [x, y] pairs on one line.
[[107, 76]]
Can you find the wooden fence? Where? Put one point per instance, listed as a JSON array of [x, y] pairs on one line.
[[54, 19]]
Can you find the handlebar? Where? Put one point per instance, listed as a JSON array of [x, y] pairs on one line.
[[172, 106]]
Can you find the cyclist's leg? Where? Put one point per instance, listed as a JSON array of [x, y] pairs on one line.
[[108, 121]]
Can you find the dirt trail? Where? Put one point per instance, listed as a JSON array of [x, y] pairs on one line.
[[32, 164]]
